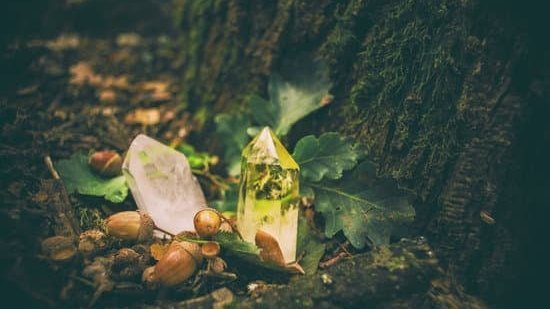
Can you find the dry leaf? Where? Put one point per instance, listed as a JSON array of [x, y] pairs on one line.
[[326, 100], [107, 95], [159, 90], [158, 250], [40, 197], [114, 81], [294, 267], [82, 73], [144, 116], [270, 251], [128, 39], [64, 41]]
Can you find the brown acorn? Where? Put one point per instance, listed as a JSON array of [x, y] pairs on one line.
[[207, 222], [130, 225], [106, 163], [178, 264]]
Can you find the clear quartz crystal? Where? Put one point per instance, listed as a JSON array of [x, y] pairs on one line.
[[162, 184], [269, 193]]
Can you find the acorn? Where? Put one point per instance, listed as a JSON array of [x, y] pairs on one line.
[[178, 264], [106, 163], [92, 242], [59, 248], [130, 225], [207, 222], [210, 249]]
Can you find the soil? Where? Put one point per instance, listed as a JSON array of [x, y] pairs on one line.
[[78, 77]]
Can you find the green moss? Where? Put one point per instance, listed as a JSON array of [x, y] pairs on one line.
[[90, 218]]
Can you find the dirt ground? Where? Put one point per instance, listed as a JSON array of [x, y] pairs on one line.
[[77, 76]]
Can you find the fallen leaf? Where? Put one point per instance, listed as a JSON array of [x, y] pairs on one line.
[[40, 197], [128, 39], [64, 41], [78, 177], [326, 100], [486, 217], [15, 188], [270, 251], [82, 73], [295, 268], [107, 95], [114, 81], [27, 90], [159, 90], [144, 116]]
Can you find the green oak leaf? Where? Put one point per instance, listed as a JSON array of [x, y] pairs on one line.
[[232, 132], [310, 246], [78, 177], [361, 205], [326, 157], [232, 243], [288, 102]]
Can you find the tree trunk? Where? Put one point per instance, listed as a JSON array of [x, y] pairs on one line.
[[443, 93]]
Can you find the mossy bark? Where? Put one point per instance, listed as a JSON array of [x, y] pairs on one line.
[[441, 92]]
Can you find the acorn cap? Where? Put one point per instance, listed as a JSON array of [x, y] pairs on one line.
[[92, 242], [59, 248], [210, 249]]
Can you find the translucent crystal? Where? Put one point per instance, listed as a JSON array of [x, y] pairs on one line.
[[162, 184], [269, 193]]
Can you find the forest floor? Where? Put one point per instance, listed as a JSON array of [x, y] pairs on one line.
[[101, 75]]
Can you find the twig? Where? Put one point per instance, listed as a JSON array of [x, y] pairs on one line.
[[51, 168], [231, 224], [332, 261], [216, 180], [220, 275], [59, 199], [164, 231]]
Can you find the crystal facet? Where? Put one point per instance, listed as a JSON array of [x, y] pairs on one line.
[[269, 193], [162, 184]]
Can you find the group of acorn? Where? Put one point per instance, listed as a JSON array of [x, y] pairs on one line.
[[182, 258]]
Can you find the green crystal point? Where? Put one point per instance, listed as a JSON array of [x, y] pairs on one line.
[[266, 148], [269, 192]]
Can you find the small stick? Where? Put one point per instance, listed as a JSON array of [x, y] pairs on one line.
[[51, 168], [231, 224], [164, 231], [332, 261], [221, 275]]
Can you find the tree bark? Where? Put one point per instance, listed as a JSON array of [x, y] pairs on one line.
[[441, 92]]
